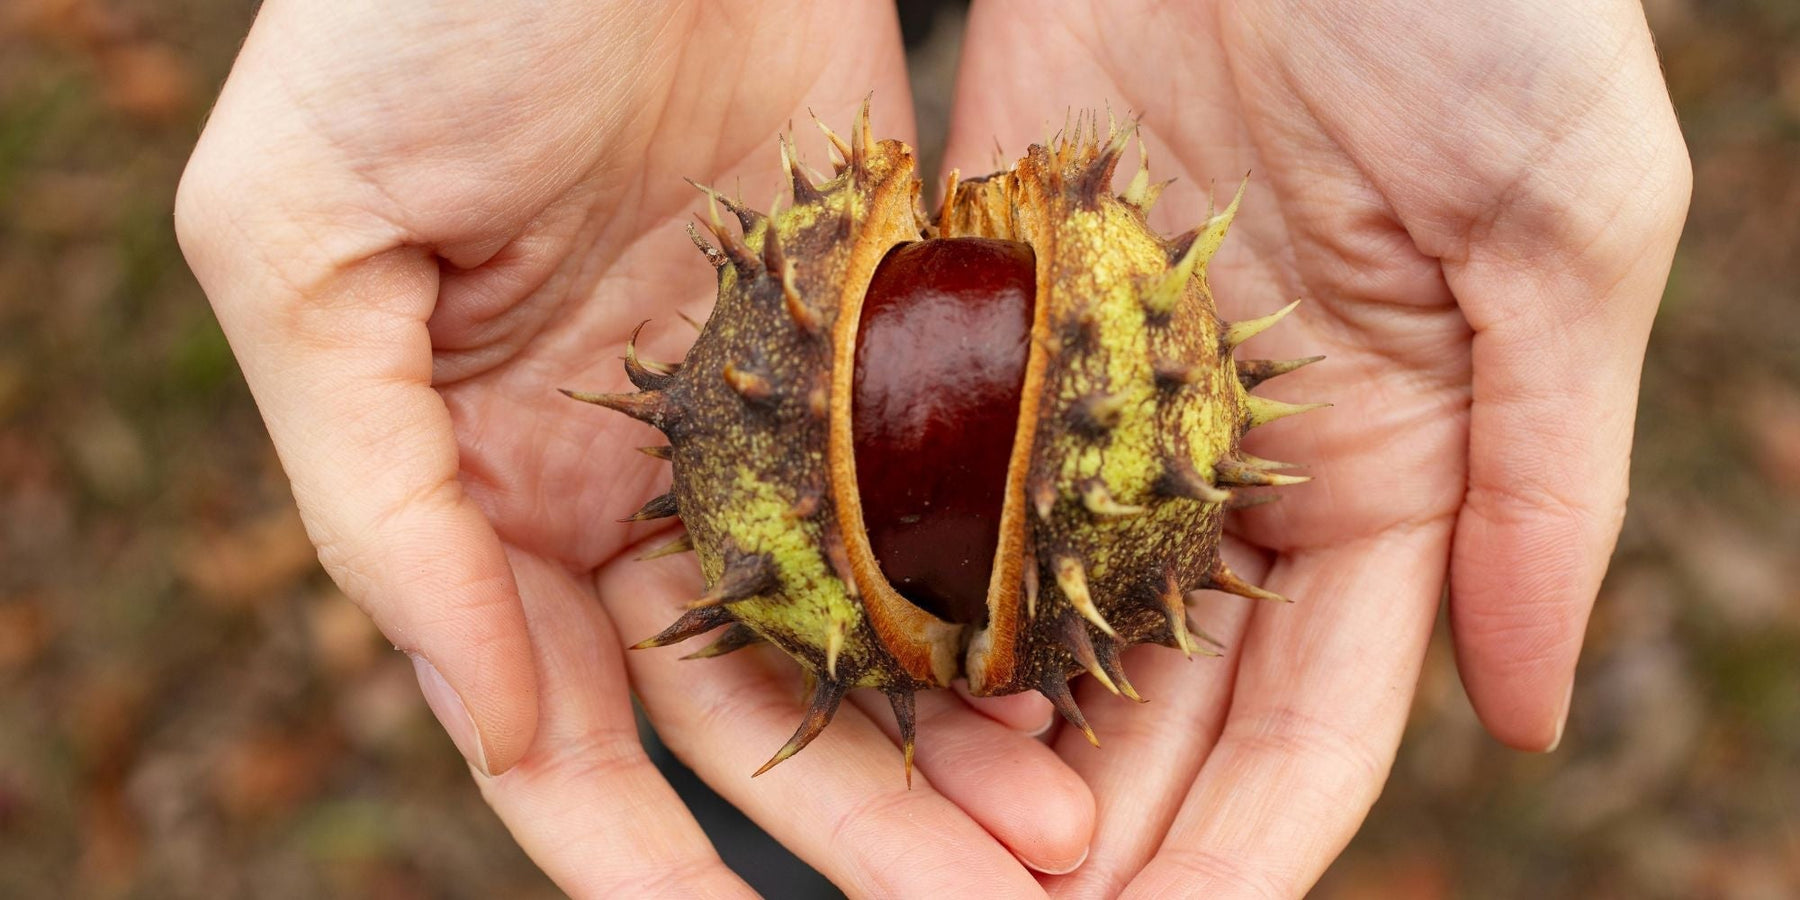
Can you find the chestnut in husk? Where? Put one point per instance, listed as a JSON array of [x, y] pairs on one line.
[[995, 444]]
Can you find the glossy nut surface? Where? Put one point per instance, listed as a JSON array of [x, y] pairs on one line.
[[940, 361]]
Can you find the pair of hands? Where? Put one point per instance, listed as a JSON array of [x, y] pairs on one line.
[[415, 219]]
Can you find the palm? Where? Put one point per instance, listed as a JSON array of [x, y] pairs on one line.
[[556, 476], [554, 307], [1371, 189]]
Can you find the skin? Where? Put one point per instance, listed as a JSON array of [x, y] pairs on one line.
[[410, 234], [1479, 204]]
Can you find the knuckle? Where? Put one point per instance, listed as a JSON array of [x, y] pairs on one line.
[[391, 562], [692, 877], [1560, 527], [202, 198], [1350, 762], [1214, 874], [862, 822], [714, 715], [598, 756], [1516, 639], [1673, 183]]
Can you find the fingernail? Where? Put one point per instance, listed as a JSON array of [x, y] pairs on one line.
[[1562, 721], [1044, 729], [451, 712], [1063, 871]]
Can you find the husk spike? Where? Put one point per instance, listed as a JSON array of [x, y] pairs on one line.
[[713, 255], [840, 148], [1257, 462], [773, 258], [1174, 606], [1252, 372], [750, 385], [1043, 497], [906, 716], [1108, 654], [735, 638], [1212, 233], [682, 544], [1100, 502], [1057, 690], [653, 408], [805, 191], [1221, 578], [835, 630], [745, 576], [1263, 410], [646, 375], [1233, 472], [659, 506], [1238, 332], [1245, 500], [827, 693], [1171, 374], [1075, 639], [1180, 478], [1072, 579], [1097, 412], [691, 623], [1137, 191]]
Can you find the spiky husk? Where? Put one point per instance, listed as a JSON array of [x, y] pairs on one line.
[[1123, 464]]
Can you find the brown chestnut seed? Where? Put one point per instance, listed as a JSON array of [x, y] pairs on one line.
[[940, 361], [856, 445]]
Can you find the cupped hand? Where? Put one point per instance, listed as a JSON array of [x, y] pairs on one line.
[[417, 219], [1479, 204]]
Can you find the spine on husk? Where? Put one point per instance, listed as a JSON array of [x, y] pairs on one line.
[[1125, 458]]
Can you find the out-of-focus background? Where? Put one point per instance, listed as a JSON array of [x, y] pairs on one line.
[[189, 708]]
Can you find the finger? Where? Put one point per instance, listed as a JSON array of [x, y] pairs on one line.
[[1551, 421], [1150, 753], [843, 804], [330, 333], [586, 802], [1322, 692], [1029, 712], [1008, 782]]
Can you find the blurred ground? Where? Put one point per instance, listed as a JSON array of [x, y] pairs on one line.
[[188, 708]]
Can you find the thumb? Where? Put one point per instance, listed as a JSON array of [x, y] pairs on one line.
[[329, 325]]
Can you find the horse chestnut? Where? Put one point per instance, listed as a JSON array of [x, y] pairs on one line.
[[940, 361], [997, 444]]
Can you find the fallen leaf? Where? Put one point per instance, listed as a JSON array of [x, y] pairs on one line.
[[269, 773], [24, 632], [344, 640], [238, 567], [148, 81], [1772, 419]]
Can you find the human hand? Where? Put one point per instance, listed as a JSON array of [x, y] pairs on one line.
[[415, 220], [1479, 204]]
